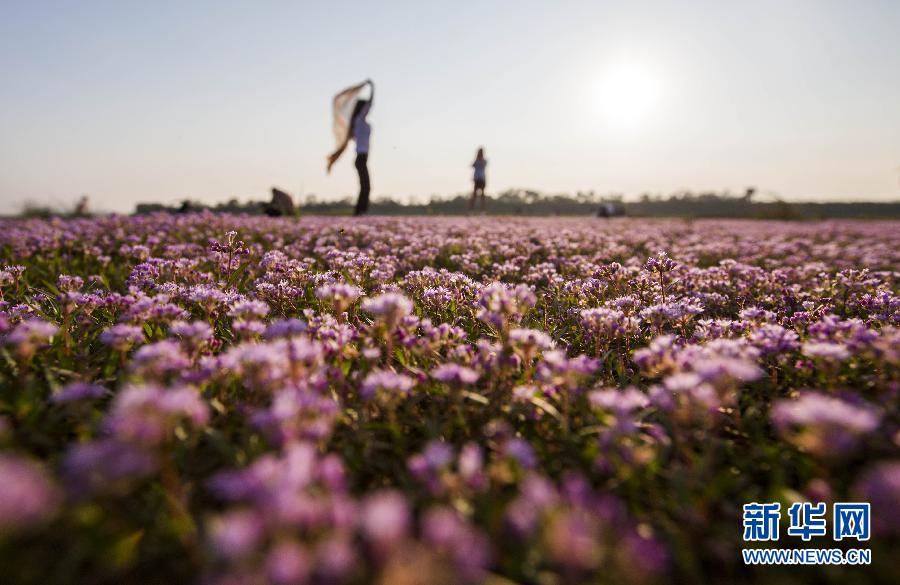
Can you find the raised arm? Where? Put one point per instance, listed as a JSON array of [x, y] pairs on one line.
[[372, 95]]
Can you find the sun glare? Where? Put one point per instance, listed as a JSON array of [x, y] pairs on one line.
[[628, 94]]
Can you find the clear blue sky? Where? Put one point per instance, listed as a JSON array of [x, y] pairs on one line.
[[131, 101]]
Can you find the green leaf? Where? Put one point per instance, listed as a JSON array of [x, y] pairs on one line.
[[125, 550], [546, 407]]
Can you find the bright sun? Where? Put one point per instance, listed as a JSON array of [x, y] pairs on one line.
[[628, 94]]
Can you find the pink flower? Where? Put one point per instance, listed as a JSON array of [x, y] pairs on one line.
[[28, 497], [148, 415], [385, 518], [390, 308], [30, 335], [825, 350], [288, 563], [824, 425], [236, 534]]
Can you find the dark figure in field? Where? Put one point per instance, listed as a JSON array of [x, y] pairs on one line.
[[354, 126], [480, 179], [610, 209], [281, 205], [186, 207], [81, 209]]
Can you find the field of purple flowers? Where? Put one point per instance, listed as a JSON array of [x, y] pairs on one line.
[[224, 399]]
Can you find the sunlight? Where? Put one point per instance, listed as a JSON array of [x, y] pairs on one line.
[[628, 94]]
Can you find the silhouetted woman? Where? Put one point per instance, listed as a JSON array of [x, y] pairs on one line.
[[480, 178], [354, 126]]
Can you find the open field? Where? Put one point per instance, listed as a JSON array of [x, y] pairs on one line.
[[231, 399]]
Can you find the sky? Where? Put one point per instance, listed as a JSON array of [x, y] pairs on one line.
[[209, 100]]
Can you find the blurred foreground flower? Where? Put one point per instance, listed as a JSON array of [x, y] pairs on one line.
[[27, 497]]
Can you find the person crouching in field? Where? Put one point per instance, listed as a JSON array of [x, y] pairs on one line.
[[480, 166]]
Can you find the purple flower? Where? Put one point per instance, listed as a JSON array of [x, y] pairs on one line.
[[340, 295], [123, 337], [70, 283], [438, 454], [826, 351], [387, 381], [249, 310], [824, 425], [726, 370], [774, 339], [643, 557], [288, 563], [385, 518], [660, 263], [30, 335], [619, 401], [529, 341], [78, 391], [501, 304], [195, 331], [467, 547], [236, 534], [106, 466], [147, 415], [455, 374], [248, 329], [284, 328], [159, 359], [756, 314], [471, 465], [880, 486], [521, 451], [28, 497], [336, 559], [603, 323], [567, 373], [390, 308], [525, 392]]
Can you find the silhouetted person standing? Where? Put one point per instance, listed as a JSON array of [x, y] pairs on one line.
[[357, 127], [361, 132], [479, 178]]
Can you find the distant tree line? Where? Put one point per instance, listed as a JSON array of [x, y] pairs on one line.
[[527, 202], [683, 204], [686, 204]]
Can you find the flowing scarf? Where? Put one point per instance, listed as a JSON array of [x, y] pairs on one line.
[[342, 108]]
